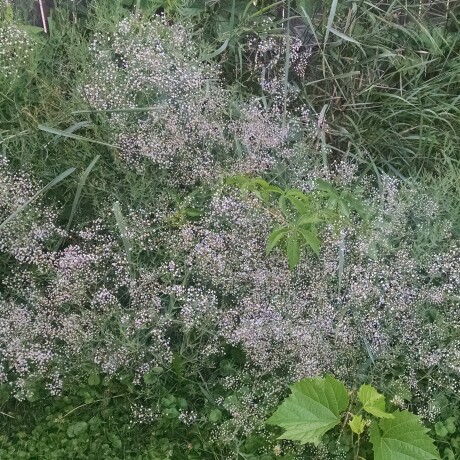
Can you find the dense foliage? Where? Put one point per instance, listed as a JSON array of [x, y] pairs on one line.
[[204, 203]]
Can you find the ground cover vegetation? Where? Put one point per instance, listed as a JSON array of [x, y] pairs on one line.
[[213, 212]]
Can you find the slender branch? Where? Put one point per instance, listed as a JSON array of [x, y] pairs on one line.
[[42, 14]]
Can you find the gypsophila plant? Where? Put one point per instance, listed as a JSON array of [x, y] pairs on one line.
[[17, 45], [166, 106]]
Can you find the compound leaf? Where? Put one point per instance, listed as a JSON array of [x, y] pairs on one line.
[[373, 402], [312, 409], [402, 438]]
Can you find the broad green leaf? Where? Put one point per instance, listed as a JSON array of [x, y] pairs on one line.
[[357, 424], [313, 408], [440, 429], [193, 212], [293, 252], [76, 429], [330, 20], [94, 380], [451, 425], [311, 239], [344, 208], [373, 402], [275, 237], [215, 415], [402, 438]]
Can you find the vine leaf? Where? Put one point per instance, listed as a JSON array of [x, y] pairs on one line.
[[312, 409], [402, 438], [357, 424], [373, 402]]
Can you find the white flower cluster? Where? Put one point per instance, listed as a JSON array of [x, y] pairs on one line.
[[15, 48], [172, 110]]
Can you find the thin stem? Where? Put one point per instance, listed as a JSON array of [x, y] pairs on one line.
[[42, 14]]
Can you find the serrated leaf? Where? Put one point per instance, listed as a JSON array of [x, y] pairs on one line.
[[402, 438], [298, 204], [357, 424], [373, 402], [275, 237], [293, 252], [309, 220], [311, 239], [297, 193], [313, 408]]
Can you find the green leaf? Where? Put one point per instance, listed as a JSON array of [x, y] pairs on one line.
[[76, 201], [440, 429], [76, 429], [293, 252], [311, 239], [275, 237], [150, 378], [450, 425], [325, 187], [313, 408], [373, 402], [94, 380], [402, 438], [298, 205], [357, 424], [308, 6], [298, 194], [215, 415], [309, 220]]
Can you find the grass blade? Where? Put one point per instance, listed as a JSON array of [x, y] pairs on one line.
[[60, 132], [81, 184], [330, 21], [72, 129], [123, 230], [123, 110]]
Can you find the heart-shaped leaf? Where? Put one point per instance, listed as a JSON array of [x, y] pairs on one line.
[[313, 408], [402, 438], [373, 402]]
